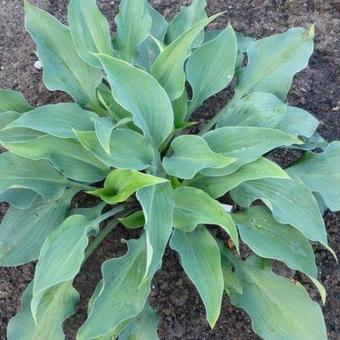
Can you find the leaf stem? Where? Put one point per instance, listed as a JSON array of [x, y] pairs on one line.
[[119, 211], [116, 210], [99, 239], [80, 185]]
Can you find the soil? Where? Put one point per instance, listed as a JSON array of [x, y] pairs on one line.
[[173, 296]]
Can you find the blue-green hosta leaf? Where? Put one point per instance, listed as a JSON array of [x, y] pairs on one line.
[[18, 135], [13, 101], [61, 255], [180, 107], [90, 30], [231, 282], [159, 24], [122, 296], [314, 142], [8, 117], [290, 202], [158, 205], [298, 122], [104, 127], [151, 47], [255, 109], [23, 231], [242, 44], [168, 68], [321, 203], [18, 198], [57, 119], [147, 53], [63, 68], [66, 154], [201, 260], [133, 26], [22, 173], [191, 155], [194, 206], [270, 239], [254, 143], [218, 186], [211, 67], [139, 93], [186, 18], [105, 97], [120, 184], [90, 213], [134, 153], [320, 173], [273, 62], [56, 306], [143, 327], [279, 308]]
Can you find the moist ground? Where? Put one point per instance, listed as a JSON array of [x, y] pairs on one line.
[[173, 296]]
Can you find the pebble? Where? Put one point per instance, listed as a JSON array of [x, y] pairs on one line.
[[38, 65]]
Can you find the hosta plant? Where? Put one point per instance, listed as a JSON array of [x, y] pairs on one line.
[[127, 140]]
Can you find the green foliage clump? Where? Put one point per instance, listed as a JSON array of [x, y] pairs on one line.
[[125, 140]]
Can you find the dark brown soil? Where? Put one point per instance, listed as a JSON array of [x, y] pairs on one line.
[[173, 296]]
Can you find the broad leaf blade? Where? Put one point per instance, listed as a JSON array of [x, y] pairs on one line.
[[186, 18], [298, 122], [133, 26], [201, 260], [211, 67], [61, 257], [255, 109], [7, 118], [231, 282], [58, 305], [18, 198], [290, 202], [57, 119], [13, 101], [273, 62], [136, 153], [139, 93], [218, 186], [39, 176], [270, 239], [122, 296], [191, 155], [159, 24], [168, 67], [104, 127], [277, 306], [194, 206], [254, 143], [320, 173], [180, 107], [158, 204], [143, 327], [79, 165], [63, 68], [18, 135], [120, 184], [90, 30], [23, 231]]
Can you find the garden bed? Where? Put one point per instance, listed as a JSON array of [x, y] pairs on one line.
[[173, 296]]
